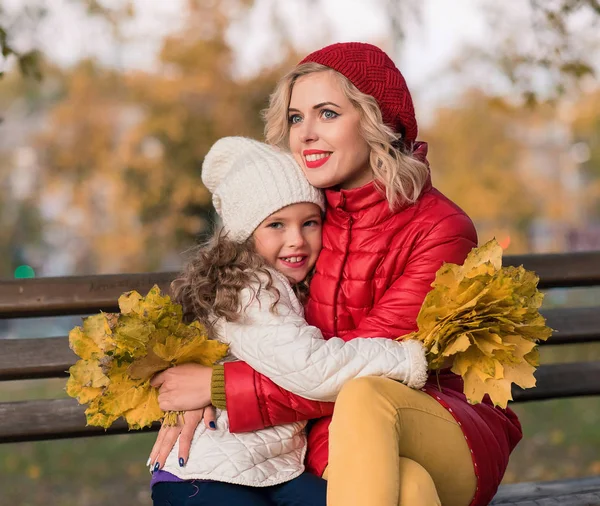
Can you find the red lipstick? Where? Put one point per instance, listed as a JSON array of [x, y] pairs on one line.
[[314, 164]]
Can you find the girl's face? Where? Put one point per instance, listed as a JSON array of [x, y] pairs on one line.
[[290, 239], [325, 137]]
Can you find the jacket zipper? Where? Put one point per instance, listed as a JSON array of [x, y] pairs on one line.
[[337, 287]]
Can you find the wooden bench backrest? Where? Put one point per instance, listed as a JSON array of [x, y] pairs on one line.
[[51, 357]]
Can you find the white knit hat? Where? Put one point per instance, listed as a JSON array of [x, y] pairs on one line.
[[250, 181]]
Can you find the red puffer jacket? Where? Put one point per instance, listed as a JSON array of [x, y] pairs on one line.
[[372, 275]]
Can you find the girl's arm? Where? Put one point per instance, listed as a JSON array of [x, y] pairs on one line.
[[254, 401], [282, 346]]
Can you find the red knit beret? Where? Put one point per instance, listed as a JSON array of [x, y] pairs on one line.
[[374, 73]]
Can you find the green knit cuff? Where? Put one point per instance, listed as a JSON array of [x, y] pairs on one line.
[[217, 387]]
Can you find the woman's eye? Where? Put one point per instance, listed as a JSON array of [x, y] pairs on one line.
[[312, 223], [329, 114], [294, 118]]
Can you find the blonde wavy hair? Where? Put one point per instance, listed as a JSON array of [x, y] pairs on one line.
[[400, 175], [210, 285]]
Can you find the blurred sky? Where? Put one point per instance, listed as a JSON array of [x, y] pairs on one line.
[[436, 34], [433, 38]]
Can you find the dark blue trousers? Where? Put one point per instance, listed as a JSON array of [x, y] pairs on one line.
[[306, 490]]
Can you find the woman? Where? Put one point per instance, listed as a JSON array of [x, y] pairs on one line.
[[347, 116]]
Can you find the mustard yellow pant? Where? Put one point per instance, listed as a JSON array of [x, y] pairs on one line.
[[390, 445]]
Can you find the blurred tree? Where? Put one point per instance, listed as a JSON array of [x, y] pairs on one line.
[[553, 41], [28, 61], [23, 20], [80, 152], [126, 151], [542, 51], [586, 128], [474, 153], [585, 122], [122, 153], [20, 225]]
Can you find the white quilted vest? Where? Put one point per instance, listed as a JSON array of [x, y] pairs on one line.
[[258, 459]]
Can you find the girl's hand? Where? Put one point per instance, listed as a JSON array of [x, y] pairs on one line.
[[184, 387]]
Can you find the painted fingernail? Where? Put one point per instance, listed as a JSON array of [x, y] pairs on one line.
[[212, 425], [156, 466], [181, 462], [149, 461]]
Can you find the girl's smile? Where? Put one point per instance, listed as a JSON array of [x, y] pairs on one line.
[[290, 239], [295, 262]]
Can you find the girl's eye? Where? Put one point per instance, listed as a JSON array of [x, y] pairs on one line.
[[329, 114], [275, 224], [294, 118]]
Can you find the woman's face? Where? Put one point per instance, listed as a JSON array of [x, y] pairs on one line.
[[325, 137]]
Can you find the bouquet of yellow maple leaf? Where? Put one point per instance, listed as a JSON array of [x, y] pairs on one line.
[[484, 319], [120, 352]]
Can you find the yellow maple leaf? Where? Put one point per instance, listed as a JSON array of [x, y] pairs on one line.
[[533, 357], [498, 390], [131, 335], [95, 416], [489, 342], [154, 307], [130, 302], [520, 374], [456, 346], [146, 410], [206, 354], [126, 349], [83, 345], [148, 366], [122, 393], [86, 380], [485, 318], [97, 328]]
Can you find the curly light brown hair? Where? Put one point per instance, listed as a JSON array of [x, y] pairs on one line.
[[210, 285]]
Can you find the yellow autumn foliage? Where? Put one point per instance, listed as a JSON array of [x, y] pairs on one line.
[[120, 352], [484, 319]]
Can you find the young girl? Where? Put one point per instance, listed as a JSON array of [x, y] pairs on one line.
[[243, 287]]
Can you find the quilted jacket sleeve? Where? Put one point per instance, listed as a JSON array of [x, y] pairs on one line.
[[450, 241], [255, 402], [282, 346]]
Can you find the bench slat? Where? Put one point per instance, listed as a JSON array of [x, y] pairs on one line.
[[89, 294], [61, 418], [561, 269], [51, 357], [49, 419], [73, 295], [561, 491], [48, 357], [556, 381], [575, 499], [573, 325]]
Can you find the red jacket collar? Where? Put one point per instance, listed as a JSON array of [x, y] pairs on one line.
[[371, 195]]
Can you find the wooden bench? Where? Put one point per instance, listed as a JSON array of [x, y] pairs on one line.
[[51, 358]]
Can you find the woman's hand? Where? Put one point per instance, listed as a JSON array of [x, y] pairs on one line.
[[184, 430], [184, 387]]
